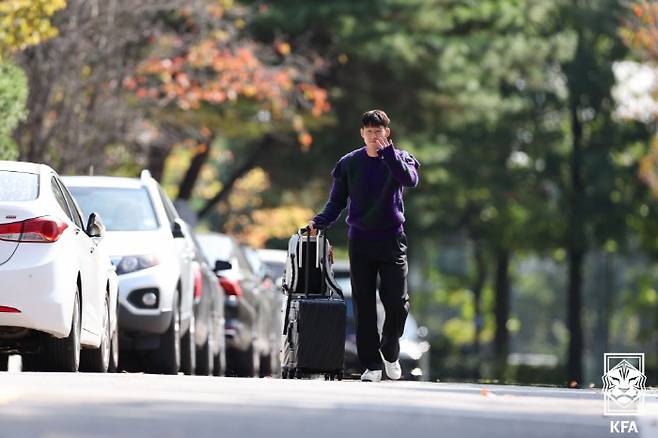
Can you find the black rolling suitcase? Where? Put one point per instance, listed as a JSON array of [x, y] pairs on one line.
[[314, 328]]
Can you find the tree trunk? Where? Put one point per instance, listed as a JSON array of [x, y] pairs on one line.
[[576, 252], [266, 142], [189, 181], [501, 311], [158, 152], [478, 285], [574, 303]]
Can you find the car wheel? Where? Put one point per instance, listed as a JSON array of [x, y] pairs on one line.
[[98, 359], [4, 362], [64, 354], [246, 362], [205, 359], [265, 365], [188, 349], [114, 352], [219, 363], [167, 359]]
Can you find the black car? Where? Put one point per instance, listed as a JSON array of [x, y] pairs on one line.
[[247, 307]]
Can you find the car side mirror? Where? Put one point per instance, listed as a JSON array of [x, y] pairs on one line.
[[95, 226], [177, 230], [222, 265]]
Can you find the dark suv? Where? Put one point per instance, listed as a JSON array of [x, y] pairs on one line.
[[247, 309]]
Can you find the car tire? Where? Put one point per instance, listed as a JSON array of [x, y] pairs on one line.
[[114, 352], [265, 366], [188, 349], [167, 359], [64, 354], [246, 362], [219, 363], [4, 362], [204, 359], [97, 360]]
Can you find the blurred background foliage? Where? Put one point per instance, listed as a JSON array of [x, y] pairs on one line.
[[534, 230]]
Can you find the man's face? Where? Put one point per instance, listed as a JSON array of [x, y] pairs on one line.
[[370, 135]]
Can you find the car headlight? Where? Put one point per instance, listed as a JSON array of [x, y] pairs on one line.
[[130, 264]]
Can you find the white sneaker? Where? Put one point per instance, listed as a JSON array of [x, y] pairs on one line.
[[393, 369], [371, 376]]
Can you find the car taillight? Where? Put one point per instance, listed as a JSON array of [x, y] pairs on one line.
[[5, 309], [231, 287], [197, 283], [38, 230]]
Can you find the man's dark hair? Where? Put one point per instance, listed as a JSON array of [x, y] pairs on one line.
[[374, 118]]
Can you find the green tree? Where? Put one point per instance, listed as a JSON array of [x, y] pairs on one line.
[[13, 95], [23, 23]]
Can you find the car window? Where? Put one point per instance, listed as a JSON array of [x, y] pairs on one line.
[[255, 263], [410, 329], [121, 209], [72, 205], [239, 255], [59, 196], [276, 269], [18, 186], [216, 247], [345, 284], [172, 215]]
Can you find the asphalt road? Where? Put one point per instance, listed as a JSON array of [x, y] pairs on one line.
[[56, 405]]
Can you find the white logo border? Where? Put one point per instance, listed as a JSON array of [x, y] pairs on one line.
[[607, 411]]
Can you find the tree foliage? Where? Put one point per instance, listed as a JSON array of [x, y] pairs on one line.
[[13, 94], [25, 23]]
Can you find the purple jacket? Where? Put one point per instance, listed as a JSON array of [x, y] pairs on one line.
[[373, 189]]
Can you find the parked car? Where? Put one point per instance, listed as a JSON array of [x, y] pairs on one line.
[[58, 288], [414, 348], [247, 312], [210, 338], [154, 262], [272, 320]]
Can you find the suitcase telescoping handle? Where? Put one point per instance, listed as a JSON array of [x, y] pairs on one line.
[[321, 236]]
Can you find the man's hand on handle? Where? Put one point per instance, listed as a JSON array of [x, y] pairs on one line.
[[311, 226], [314, 232]]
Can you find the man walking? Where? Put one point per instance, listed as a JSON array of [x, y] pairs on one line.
[[372, 178]]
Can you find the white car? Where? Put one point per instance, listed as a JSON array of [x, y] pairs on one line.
[[153, 258], [58, 288]]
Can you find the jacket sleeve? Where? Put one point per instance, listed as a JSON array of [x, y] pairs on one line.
[[402, 164], [337, 199]]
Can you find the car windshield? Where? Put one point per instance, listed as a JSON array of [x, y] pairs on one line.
[[216, 247], [275, 268], [344, 284], [18, 186], [120, 209], [252, 258], [410, 329]]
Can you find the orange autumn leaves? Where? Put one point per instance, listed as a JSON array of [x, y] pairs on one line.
[[641, 32], [212, 73]]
